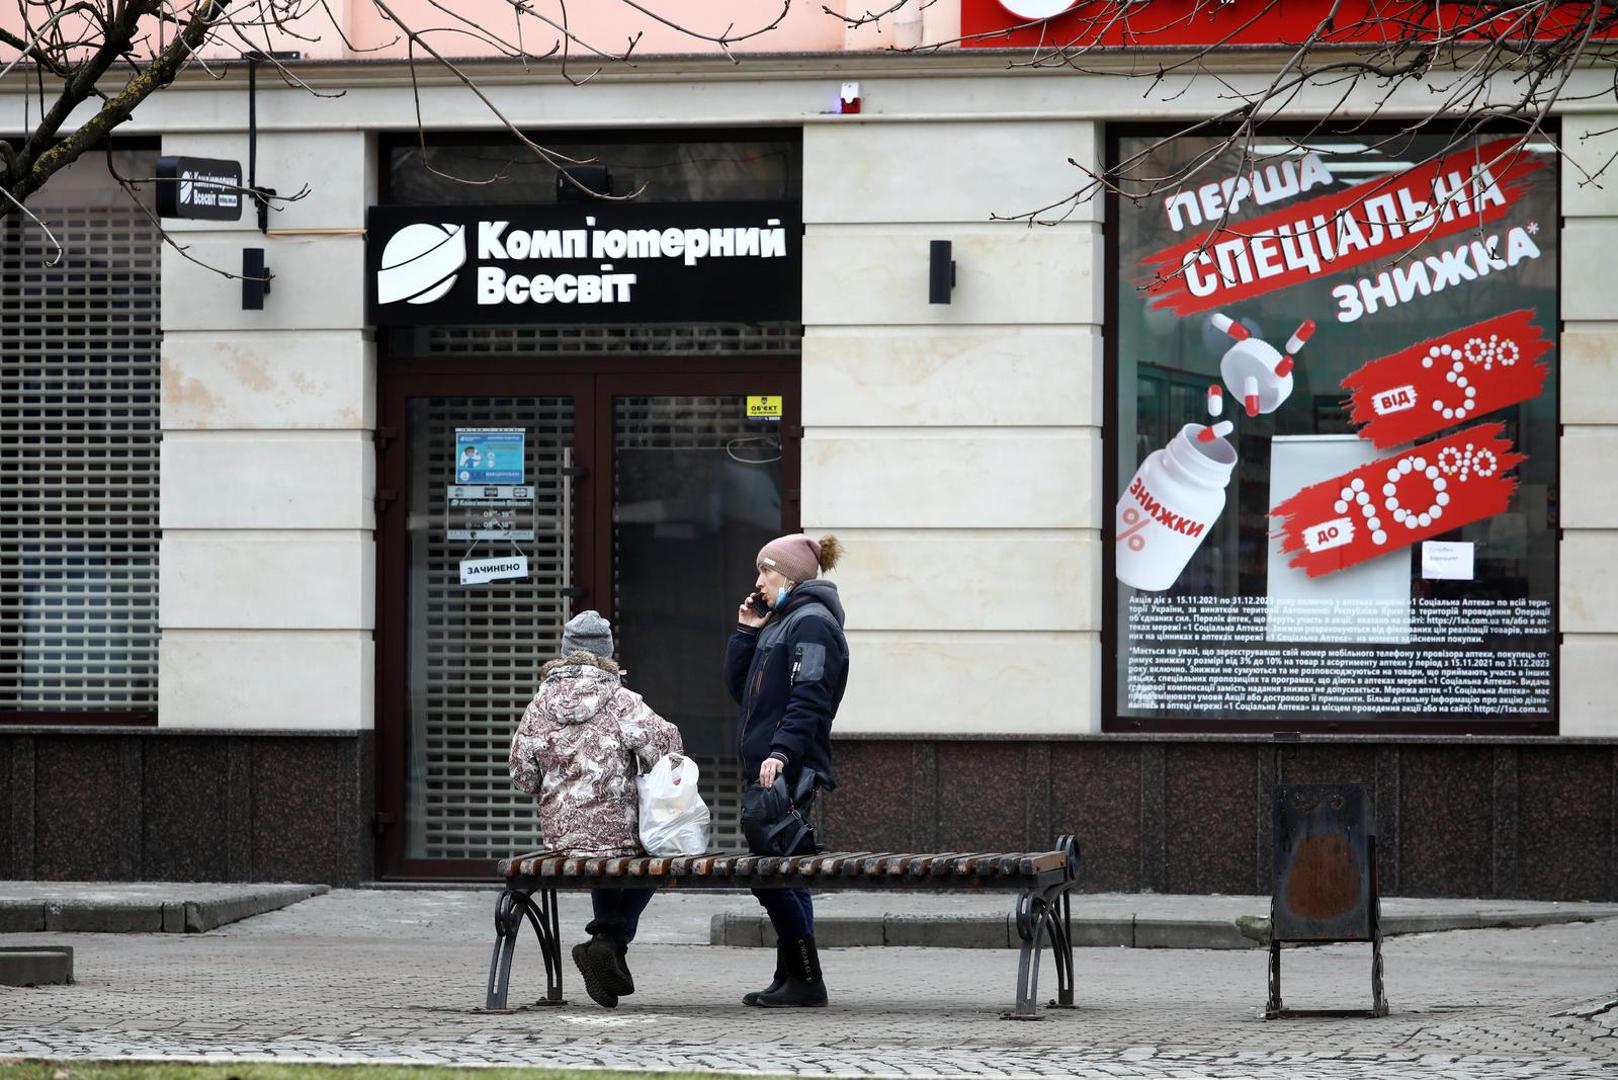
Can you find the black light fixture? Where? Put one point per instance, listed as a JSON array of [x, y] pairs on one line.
[[940, 272], [576, 183], [256, 278]]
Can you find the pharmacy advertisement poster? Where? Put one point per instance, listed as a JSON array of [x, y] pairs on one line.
[[1336, 421], [489, 455]]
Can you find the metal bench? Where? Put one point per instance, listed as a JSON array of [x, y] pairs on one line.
[[1042, 881]]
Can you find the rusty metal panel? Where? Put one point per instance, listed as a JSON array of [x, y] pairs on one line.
[[1323, 863]]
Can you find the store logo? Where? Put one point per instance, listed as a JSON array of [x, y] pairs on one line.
[[1037, 9], [420, 262]]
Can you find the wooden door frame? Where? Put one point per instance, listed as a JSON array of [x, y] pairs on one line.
[[593, 386]]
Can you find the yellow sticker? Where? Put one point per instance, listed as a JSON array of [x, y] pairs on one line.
[[764, 406]]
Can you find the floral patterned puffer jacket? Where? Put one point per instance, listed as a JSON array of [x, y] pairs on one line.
[[577, 746]]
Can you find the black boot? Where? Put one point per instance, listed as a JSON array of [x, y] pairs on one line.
[[804, 987], [606, 976], [775, 983], [626, 981], [595, 978]]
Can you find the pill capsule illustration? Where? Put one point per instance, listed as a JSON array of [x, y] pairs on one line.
[[1253, 369]]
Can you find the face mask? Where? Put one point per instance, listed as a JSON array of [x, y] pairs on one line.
[[781, 595]]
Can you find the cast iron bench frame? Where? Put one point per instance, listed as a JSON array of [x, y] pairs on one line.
[[1042, 880]]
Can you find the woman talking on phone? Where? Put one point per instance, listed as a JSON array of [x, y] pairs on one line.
[[787, 666]]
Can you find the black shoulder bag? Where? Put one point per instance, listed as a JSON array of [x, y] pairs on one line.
[[776, 821]]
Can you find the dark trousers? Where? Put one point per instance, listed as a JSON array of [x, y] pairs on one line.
[[791, 911], [617, 912]]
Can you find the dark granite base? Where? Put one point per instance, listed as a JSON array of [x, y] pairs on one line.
[[1474, 817], [1511, 818], [154, 805]]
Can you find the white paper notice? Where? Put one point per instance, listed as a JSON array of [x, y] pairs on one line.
[[478, 571], [1446, 560]]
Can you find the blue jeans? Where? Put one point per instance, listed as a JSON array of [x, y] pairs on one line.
[[791, 911], [617, 912]]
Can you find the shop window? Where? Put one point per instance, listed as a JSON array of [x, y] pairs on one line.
[[79, 401], [1333, 434]]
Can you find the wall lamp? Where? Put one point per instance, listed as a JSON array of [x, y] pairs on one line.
[[256, 278], [940, 272]]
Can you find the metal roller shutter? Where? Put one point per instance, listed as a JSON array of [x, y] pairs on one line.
[[79, 445]]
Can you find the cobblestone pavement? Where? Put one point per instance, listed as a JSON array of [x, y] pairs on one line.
[[369, 976]]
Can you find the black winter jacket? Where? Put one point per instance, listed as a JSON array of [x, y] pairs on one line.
[[788, 676]]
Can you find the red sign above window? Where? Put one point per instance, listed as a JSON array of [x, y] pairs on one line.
[[1056, 24]]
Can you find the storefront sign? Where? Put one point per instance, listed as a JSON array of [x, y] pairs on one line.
[[1060, 24], [207, 189], [584, 263], [1364, 532], [480, 571]]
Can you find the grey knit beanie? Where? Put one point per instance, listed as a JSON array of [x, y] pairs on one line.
[[587, 631]]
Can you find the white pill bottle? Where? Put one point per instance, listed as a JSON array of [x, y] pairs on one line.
[[1169, 507]]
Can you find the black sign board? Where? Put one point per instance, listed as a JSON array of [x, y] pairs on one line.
[[589, 262], [209, 189]]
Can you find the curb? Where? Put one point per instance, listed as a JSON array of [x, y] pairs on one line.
[[1000, 931], [148, 916], [36, 965]]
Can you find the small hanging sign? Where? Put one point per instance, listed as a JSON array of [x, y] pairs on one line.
[[481, 571]]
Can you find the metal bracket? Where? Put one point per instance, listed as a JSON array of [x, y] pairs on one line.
[[261, 196]]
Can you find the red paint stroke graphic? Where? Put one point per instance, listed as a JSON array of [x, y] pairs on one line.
[[1395, 501], [1373, 220], [1446, 380]]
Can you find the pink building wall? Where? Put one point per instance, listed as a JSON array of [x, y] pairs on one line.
[[473, 28]]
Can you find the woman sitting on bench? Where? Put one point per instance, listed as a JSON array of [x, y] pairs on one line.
[[576, 748]]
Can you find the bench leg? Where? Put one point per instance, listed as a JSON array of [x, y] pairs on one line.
[[548, 929], [508, 912], [1061, 930], [510, 908], [1033, 920], [1272, 1007]]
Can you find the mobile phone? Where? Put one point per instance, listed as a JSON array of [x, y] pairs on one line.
[[756, 602]]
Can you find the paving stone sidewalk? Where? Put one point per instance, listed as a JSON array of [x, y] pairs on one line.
[[379, 976]]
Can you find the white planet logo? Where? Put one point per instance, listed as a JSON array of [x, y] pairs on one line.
[[419, 263], [1037, 9]]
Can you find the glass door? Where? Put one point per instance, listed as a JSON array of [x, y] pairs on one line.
[[507, 502], [490, 537], [698, 486]]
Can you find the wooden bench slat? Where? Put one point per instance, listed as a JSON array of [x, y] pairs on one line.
[[833, 865], [923, 867], [952, 866], [720, 868]]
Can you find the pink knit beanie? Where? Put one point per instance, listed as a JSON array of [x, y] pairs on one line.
[[797, 557]]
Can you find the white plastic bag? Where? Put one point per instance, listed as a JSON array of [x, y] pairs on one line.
[[673, 817]]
